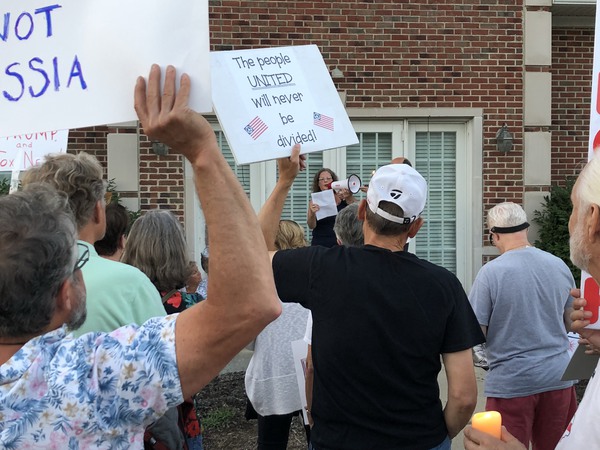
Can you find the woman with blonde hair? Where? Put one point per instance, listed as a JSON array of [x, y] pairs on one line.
[[271, 383]]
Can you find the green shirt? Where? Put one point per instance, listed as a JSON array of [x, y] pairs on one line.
[[117, 294]]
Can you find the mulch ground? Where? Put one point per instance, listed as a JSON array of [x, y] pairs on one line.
[[223, 404]]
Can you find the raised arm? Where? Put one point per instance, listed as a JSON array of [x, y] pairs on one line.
[[311, 215], [270, 213], [242, 298]]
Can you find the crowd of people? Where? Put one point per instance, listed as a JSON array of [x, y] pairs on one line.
[[108, 334]]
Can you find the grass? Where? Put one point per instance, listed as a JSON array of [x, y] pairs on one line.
[[218, 418]]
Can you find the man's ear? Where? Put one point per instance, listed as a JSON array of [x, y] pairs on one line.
[[99, 209], [63, 297], [122, 241], [362, 210], [593, 223], [415, 227]]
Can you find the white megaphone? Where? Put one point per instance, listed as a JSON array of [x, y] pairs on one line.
[[353, 184]]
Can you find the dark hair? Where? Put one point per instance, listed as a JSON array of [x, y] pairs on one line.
[[383, 226], [315, 183], [117, 223], [37, 244]]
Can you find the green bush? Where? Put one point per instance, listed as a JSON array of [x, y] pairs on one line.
[[115, 197], [553, 221], [4, 186]]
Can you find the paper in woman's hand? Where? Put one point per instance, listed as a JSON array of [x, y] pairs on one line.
[[326, 202]]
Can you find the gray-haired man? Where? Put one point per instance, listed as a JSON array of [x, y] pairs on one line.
[[102, 390], [522, 303]]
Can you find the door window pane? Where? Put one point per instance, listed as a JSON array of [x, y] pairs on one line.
[[436, 161], [242, 172], [373, 150]]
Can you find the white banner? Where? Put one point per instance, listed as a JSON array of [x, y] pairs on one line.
[[74, 63]]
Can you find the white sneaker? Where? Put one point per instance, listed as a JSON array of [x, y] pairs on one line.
[[480, 357]]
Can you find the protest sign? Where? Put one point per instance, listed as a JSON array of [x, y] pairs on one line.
[[20, 152], [75, 63], [269, 99], [299, 350], [589, 287]]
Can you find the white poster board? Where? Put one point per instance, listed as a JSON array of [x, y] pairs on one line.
[[326, 202], [269, 99], [21, 152], [75, 63], [299, 350]]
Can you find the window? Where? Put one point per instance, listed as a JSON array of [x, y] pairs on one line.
[[441, 151], [436, 161], [242, 172], [374, 149], [296, 204], [441, 157]]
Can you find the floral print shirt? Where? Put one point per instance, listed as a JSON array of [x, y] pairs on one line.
[[99, 391]]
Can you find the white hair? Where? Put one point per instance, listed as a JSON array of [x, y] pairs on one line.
[[507, 214], [588, 188]]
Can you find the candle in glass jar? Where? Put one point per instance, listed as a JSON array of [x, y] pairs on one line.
[[489, 422]]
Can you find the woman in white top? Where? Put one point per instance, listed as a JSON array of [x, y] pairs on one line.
[[271, 383]]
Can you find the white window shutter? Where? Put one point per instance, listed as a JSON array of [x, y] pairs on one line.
[[436, 161]]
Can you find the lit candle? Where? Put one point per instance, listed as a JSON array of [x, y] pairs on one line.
[[489, 422]]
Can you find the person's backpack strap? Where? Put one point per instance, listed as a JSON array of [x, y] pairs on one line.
[[168, 295]]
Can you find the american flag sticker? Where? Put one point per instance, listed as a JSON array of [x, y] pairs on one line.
[[323, 121], [256, 128]]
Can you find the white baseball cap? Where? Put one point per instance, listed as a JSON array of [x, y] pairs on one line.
[[401, 185]]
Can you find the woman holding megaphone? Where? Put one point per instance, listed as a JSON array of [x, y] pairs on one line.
[[322, 230]]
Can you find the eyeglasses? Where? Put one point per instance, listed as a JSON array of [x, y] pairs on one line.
[[83, 258], [326, 179], [492, 238]]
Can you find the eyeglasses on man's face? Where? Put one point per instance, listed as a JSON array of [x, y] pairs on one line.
[[84, 256]]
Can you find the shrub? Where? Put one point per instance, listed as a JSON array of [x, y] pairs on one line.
[[553, 221], [115, 197], [4, 186]]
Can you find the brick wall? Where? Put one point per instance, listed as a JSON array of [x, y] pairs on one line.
[[91, 140], [448, 53], [161, 180], [572, 59]]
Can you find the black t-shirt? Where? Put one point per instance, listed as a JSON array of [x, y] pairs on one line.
[[381, 320]]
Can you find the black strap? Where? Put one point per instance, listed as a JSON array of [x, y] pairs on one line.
[[504, 230]]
